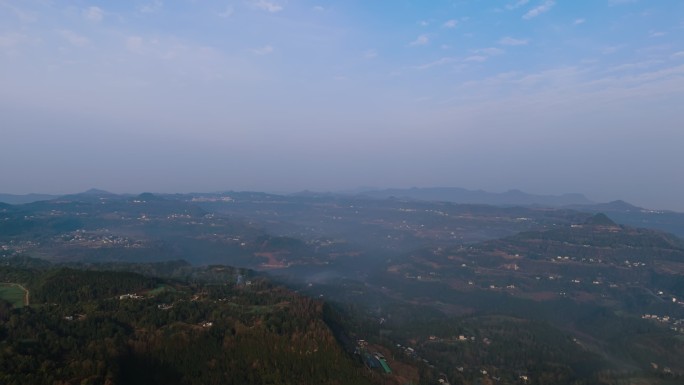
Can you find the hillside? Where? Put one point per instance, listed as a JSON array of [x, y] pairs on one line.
[[461, 195], [106, 327], [16, 199], [614, 290], [627, 214], [430, 286]]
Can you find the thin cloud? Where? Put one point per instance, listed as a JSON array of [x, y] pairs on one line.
[[228, 12], [73, 38], [152, 7], [94, 14], [475, 58], [635, 66], [265, 50], [20, 14], [512, 41], [478, 58], [656, 34], [450, 24], [134, 44], [489, 51], [370, 54], [267, 6], [611, 49], [11, 40], [538, 10], [517, 4], [420, 40], [579, 21], [437, 63]]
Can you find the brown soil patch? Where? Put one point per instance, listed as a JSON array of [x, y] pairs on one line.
[[274, 260]]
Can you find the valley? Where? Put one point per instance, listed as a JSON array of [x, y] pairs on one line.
[[446, 292]]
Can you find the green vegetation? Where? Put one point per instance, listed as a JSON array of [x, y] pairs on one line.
[[201, 333], [554, 296], [13, 294]]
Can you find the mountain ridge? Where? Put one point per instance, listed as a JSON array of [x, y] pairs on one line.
[[460, 195]]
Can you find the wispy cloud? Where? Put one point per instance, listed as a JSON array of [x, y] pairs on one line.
[[450, 23], [475, 58], [611, 49], [579, 21], [489, 51], [512, 41], [538, 10], [265, 50], [11, 40], [370, 54], [479, 56], [656, 34], [94, 14], [134, 44], [620, 2], [268, 6], [21, 14], [517, 4], [152, 7], [437, 63], [226, 13], [635, 66], [578, 85], [420, 40], [73, 38]]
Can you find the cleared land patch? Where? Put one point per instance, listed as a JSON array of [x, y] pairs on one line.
[[14, 294]]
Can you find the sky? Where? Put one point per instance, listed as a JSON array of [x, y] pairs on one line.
[[544, 96]]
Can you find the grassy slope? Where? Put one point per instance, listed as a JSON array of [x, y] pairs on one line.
[[13, 294]]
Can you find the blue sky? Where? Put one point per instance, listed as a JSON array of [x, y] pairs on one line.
[[540, 95]]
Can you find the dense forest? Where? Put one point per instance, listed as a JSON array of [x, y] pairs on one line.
[[106, 327]]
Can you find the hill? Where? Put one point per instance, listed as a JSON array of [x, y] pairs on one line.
[[587, 298], [113, 327], [15, 199], [627, 214], [614, 290], [460, 195]]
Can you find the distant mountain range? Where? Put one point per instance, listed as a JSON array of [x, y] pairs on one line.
[[620, 211], [18, 199], [15, 199], [441, 194], [610, 207], [627, 214], [460, 195]]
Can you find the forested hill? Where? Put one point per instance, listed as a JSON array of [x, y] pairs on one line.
[[598, 237], [109, 327]]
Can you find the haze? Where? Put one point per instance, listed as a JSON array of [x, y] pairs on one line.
[[545, 96]]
